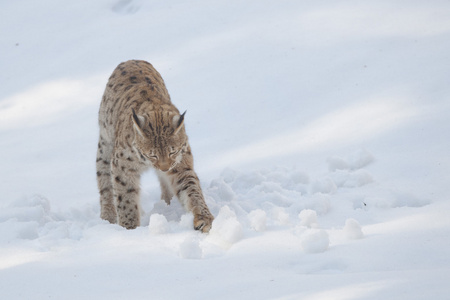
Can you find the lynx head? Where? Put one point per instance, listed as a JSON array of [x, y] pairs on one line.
[[160, 138]]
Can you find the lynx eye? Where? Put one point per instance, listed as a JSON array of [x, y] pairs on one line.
[[151, 156], [173, 151]]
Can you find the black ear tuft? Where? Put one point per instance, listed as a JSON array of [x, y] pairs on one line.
[[135, 118], [181, 119], [178, 122], [138, 122]]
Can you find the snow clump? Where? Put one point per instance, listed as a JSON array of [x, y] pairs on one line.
[[356, 161], [314, 241], [258, 219], [158, 224], [353, 230], [308, 218], [190, 248], [226, 227]]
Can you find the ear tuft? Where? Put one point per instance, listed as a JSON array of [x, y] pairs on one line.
[[178, 122], [138, 122]]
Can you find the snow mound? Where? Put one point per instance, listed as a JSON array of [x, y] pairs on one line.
[[353, 230], [172, 212], [314, 241], [23, 218], [186, 221], [258, 219], [355, 161], [281, 216], [324, 186], [226, 228], [351, 179], [308, 218], [190, 248], [158, 224], [35, 208]]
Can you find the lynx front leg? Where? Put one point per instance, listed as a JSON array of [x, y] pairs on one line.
[[189, 192], [108, 210], [126, 195]]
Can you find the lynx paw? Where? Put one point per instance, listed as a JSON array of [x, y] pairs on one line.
[[129, 221], [130, 224], [203, 222], [109, 215]]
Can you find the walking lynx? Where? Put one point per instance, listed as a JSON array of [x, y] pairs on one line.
[[141, 128]]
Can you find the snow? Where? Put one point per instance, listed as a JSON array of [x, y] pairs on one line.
[[353, 229], [258, 219], [158, 224], [308, 218], [314, 241], [226, 229], [319, 131]]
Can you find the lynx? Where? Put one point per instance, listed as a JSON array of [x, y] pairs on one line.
[[140, 128]]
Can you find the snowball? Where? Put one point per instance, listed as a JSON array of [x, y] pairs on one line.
[[308, 218], [187, 220], [258, 219], [353, 230], [226, 227], [315, 241], [158, 224], [281, 216], [190, 248]]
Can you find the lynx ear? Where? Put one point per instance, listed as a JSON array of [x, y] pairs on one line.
[[178, 122], [138, 122]]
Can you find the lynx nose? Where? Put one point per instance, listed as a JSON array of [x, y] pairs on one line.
[[164, 166]]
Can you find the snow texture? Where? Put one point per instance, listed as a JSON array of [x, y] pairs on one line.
[[315, 241], [319, 131], [158, 224], [190, 248], [353, 229]]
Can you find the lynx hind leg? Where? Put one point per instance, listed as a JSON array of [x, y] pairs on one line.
[[107, 207]]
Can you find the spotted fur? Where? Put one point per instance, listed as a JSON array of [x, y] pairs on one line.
[[140, 128]]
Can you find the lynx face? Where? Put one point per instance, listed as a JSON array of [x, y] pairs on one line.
[[160, 140]]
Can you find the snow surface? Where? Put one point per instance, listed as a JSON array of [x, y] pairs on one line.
[[320, 131]]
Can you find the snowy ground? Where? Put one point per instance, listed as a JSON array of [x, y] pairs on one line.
[[320, 132]]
